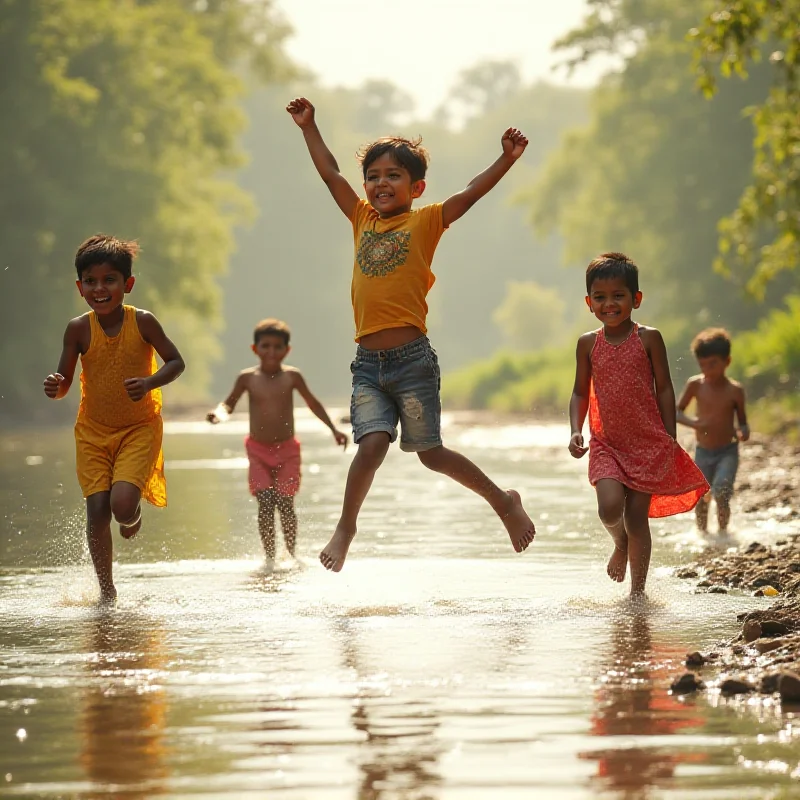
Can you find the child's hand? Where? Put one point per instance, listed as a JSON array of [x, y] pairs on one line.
[[576, 448], [136, 388], [302, 112], [52, 383], [514, 143], [743, 433], [341, 438]]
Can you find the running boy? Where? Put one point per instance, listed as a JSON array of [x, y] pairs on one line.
[[119, 429], [272, 448], [718, 400], [622, 380], [395, 371]]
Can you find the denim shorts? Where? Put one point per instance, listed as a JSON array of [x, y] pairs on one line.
[[719, 466], [398, 385]]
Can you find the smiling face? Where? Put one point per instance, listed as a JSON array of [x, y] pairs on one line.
[[271, 350], [612, 302], [104, 288], [390, 190]]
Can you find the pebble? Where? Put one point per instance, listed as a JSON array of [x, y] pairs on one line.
[[696, 659], [732, 686], [789, 686], [766, 646], [751, 630], [686, 684]]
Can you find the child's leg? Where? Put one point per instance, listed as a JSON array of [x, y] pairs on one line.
[[507, 505], [637, 527], [707, 463], [126, 506], [288, 521], [701, 513], [611, 510], [372, 449], [98, 536], [267, 500], [722, 487]]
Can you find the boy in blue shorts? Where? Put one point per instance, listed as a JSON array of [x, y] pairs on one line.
[[395, 372], [720, 422]]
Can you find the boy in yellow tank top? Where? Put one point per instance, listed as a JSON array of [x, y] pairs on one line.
[[118, 431], [395, 372]]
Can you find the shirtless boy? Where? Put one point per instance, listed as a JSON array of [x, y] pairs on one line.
[[272, 448], [718, 400]]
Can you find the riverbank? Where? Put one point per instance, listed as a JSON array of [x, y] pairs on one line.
[[764, 656]]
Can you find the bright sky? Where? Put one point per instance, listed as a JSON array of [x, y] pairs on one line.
[[422, 45]]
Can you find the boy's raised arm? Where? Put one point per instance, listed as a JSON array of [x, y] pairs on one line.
[[57, 383], [343, 193], [317, 408], [513, 143]]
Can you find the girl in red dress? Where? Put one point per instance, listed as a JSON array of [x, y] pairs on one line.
[[622, 380]]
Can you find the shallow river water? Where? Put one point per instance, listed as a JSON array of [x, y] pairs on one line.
[[437, 665]]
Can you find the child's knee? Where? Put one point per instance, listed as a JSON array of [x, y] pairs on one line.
[[125, 502], [432, 458], [610, 512], [373, 447], [285, 504]]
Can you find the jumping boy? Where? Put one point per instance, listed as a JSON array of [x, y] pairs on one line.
[[718, 400], [272, 448], [395, 372], [119, 429]]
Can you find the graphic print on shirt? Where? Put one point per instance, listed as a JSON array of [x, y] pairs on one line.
[[380, 254]]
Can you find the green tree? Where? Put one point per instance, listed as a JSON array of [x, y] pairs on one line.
[[117, 117], [531, 316], [762, 236], [657, 167]]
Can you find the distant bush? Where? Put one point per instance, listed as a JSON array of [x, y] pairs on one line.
[[538, 382], [768, 358]]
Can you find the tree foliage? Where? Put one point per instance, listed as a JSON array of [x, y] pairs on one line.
[[531, 316], [761, 236], [656, 168], [117, 117]]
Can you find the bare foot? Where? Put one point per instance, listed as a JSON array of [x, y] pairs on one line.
[[108, 597], [130, 530], [617, 565], [518, 524], [335, 552]]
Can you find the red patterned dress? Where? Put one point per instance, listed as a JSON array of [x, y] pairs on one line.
[[629, 442]]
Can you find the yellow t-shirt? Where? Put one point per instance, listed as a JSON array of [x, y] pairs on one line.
[[392, 268]]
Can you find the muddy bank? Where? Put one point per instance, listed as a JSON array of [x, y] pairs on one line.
[[764, 656]]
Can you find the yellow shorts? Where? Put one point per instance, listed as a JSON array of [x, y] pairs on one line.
[[108, 455]]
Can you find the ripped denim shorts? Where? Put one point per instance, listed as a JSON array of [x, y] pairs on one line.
[[398, 385]]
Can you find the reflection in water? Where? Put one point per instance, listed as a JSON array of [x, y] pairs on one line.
[[400, 752], [123, 715], [634, 701]]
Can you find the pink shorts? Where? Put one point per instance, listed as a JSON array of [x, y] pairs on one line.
[[274, 466]]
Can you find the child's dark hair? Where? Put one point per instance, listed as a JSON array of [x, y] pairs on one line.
[[613, 265], [712, 342], [408, 153], [272, 327], [104, 249]]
